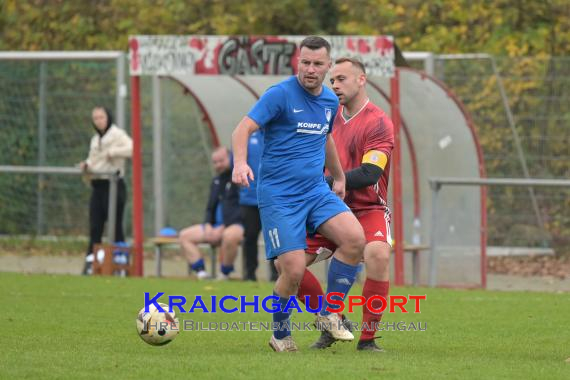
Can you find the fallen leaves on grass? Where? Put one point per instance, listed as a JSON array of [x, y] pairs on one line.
[[558, 267]]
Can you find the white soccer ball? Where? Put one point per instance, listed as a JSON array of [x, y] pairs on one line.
[[157, 328]]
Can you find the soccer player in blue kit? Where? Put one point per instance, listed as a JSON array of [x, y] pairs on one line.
[[297, 116]]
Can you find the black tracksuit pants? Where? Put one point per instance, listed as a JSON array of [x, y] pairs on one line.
[[99, 208]]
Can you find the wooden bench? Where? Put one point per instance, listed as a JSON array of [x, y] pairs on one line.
[[162, 241]]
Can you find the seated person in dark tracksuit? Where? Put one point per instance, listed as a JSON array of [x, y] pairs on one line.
[[222, 223]]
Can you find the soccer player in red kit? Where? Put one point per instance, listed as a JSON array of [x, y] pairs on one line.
[[364, 138]]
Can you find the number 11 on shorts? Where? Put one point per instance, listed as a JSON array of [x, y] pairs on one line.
[[274, 236]]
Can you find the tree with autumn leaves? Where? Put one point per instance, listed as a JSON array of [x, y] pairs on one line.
[[501, 27]]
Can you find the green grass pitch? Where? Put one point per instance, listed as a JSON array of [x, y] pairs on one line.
[[83, 327]]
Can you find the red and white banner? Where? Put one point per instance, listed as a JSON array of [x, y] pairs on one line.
[[248, 55]]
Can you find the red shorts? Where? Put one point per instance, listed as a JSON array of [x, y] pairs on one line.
[[376, 226]]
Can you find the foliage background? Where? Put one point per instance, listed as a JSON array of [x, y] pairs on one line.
[[500, 27]]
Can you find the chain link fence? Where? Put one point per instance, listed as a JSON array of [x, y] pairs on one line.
[[537, 94], [54, 129], [45, 120]]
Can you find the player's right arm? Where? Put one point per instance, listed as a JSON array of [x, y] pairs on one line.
[[242, 173], [266, 109], [332, 163]]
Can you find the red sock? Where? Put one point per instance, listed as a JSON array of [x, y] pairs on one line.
[[310, 286], [372, 288]]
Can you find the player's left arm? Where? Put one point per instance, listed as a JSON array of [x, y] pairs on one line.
[[332, 163], [368, 173]]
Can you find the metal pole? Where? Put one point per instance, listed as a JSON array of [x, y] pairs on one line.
[[112, 211], [42, 137], [429, 64], [157, 259], [138, 212], [396, 174], [435, 187], [483, 236], [121, 94], [59, 55], [47, 170], [157, 155], [524, 182]]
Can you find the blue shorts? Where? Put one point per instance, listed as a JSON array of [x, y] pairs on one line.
[[285, 225]]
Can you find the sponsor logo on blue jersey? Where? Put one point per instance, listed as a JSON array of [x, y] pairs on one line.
[[315, 128]]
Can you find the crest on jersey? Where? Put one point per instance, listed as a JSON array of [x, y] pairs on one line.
[[328, 114]]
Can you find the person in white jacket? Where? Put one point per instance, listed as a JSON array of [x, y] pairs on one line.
[[108, 151]]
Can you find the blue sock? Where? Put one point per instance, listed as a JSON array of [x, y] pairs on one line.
[[226, 269], [281, 319], [340, 279], [198, 265]]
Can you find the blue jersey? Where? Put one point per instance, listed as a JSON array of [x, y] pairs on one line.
[[248, 195], [295, 124]]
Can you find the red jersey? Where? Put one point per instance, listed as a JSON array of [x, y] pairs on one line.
[[369, 129]]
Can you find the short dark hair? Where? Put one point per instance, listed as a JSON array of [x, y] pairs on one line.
[[355, 61], [315, 43]]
